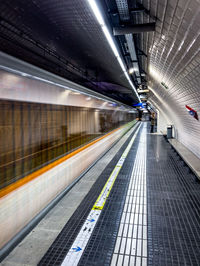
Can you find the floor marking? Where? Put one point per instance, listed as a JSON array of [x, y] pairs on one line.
[[74, 254], [131, 244]]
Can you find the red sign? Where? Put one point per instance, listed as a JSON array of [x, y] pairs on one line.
[[192, 112]]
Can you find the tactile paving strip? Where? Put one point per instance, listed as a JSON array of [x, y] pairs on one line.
[[131, 244], [101, 244], [173, 207]]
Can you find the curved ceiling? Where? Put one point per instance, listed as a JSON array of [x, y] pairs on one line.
[[63, 37], [174, 66]]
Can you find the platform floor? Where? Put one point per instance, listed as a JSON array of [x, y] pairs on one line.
[[148, 213]]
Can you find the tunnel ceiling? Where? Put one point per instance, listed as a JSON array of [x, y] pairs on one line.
[[174, 66], [64, 37]]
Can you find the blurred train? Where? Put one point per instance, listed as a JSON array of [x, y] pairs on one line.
[[51, 131]]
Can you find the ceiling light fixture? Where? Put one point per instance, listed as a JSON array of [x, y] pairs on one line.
[[131, 70], [110, 40], [181, 45], [191, 44], [155, 74]]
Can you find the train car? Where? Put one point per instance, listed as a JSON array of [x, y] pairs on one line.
[[51, 132]]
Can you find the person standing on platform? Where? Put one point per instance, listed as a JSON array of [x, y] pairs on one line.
[[152, 122]]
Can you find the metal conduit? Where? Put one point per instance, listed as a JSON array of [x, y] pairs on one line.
[[138, 28]]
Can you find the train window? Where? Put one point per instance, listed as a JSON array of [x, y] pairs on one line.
[[32, 134]]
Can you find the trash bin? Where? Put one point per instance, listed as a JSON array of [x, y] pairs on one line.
[[169, 131]]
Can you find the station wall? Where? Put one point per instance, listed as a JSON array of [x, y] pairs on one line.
[[174, 67]]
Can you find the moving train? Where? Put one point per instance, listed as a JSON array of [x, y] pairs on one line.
[[51, 131]]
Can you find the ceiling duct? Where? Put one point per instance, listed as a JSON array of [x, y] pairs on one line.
[[122, 6], [138, 28], [123, 10], [131, 47]]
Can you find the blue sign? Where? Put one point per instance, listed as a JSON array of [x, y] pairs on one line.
[[77, 249], [138, 105], [92, 220]]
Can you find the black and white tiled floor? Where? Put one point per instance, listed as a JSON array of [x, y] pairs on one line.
[[152, 214], [173, 206], [131, 244]]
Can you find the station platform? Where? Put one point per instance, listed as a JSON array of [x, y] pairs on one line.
[[138, 205]]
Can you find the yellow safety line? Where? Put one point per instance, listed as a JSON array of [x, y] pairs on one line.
[[101, 207], [118, 167]]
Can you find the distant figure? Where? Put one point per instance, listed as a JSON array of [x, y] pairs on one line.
[[152, 122], [139, 115], [102, 123]]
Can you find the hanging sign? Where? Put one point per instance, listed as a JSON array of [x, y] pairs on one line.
[[138, 105]]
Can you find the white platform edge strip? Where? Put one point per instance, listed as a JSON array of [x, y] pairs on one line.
[[74, 254], [134, 246]]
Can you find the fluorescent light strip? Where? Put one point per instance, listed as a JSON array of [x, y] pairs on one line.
[[96, 12], [110, 40], [121, 64], [181, 45]]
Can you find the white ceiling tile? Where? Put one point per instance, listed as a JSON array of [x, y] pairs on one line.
[[176, 58]]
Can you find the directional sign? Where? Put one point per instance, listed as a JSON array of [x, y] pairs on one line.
[[77, 249], [91, 220]]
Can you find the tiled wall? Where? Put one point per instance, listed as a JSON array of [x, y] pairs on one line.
[[174, 58]]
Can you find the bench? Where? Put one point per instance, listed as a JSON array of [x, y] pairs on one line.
[[188, 157]]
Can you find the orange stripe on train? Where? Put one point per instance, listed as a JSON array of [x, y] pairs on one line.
[[28, 178]]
